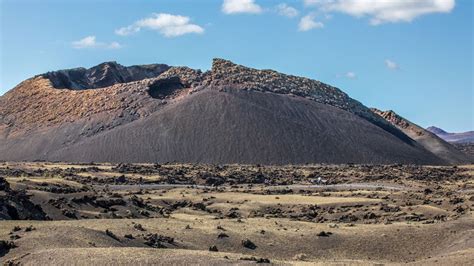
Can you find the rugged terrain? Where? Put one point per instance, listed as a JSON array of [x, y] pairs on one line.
[[467, 148], [464, 141], [236, 214], [230, 114], [426, 138]]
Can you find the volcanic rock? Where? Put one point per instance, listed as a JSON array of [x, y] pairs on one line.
[[248, 244], [5, 246], [16, 205], [103, 75]]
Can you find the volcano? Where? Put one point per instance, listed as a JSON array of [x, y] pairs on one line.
[[229, 114]]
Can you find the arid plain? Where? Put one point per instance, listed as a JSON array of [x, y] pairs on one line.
[[219, 214]]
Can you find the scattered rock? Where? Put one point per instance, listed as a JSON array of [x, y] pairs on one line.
[[222, 235], [370, 216], [109, 202], [16, 205], [232, 215], [4, 185], [69, 213], [158, 241], [138, 227], [111, 234], [324, 234], [15, 237], [348, 218], [248, 244], [455, 201], [389, 208], [259, 260], [29, 228], [5, 246], [129, 236]]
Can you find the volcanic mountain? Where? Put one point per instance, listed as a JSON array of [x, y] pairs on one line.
[[229, 114]]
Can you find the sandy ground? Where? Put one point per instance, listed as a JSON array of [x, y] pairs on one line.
[[214, 215]]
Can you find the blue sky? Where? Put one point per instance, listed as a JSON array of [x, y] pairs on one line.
[[412, 56]]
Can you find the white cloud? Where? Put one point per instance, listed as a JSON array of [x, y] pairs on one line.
[[114, 45], [241, 6], [87, 42], [286, 10], [167, 24], [350, 75], [391, 65], [124, 31], [384, 11], [308, 23], [316, 2], [90, 42]]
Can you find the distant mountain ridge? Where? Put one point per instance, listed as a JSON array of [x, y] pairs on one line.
[[462, 137], [436, 130]]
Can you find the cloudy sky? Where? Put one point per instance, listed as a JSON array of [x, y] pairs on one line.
[[411, 56]]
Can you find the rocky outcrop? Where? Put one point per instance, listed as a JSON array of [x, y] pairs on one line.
[[190, 78], [400, 122], [225, 73], [103, 75], [16, 205]]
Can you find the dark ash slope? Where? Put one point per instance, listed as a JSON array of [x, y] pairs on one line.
[[235, 126]]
